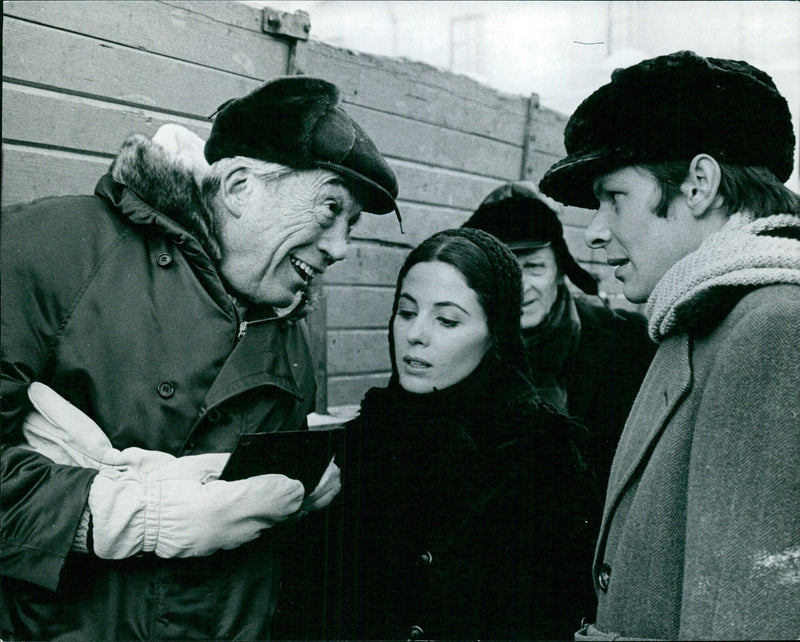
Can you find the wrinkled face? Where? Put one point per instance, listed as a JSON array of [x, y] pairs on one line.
[[282, 232], [440, 330], [639, 244], [540, 281]]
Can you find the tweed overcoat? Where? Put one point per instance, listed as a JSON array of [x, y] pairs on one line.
[[700, 537], [115, 302]]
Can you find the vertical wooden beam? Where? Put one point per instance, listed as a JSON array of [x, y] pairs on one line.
[[318, 333], [293, 27], [528, 167]]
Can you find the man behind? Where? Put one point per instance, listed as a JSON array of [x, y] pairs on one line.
[[168, 308], [586, 359], [684, 159]]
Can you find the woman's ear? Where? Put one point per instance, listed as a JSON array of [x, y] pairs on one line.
[[235, 188], [701, 186]]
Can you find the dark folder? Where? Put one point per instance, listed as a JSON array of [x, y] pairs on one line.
[[299, 454]]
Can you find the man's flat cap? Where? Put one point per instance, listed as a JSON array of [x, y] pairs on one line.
[[672, 108], [296, 121]]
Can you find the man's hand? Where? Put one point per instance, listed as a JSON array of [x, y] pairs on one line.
[[183, 510], [146, 500], [66, 435]]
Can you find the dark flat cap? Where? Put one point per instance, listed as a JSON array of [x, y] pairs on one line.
[[671, 108], [525, 220], [296, 121]]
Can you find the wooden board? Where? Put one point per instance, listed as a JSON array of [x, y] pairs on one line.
[[95, 68], [367, 264], [30, 173], [225, 36], [357, 351], [408, 139], [47, 118], [420, 92], [419, 222], [350, 389], [363, 307]]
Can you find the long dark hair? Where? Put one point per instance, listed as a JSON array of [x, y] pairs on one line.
[[492, 272]]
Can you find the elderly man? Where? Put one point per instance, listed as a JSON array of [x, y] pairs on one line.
[[160, 318], [684, 158]]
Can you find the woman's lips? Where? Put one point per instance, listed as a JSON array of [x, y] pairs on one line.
[[416, 365]]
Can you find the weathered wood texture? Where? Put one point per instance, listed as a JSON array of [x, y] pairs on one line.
[[78, 77]]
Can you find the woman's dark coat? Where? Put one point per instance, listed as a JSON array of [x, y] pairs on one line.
[[115, 302], [468, 513]]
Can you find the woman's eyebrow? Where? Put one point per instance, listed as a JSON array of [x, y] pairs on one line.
[[438, 304], [447, 304]]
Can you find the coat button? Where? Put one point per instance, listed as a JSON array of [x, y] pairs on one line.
[[164, 259], [166, 389], [214, 415], [426, 559], [603, 576], [416, 633]]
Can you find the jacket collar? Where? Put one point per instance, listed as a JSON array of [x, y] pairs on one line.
[[160, 191]]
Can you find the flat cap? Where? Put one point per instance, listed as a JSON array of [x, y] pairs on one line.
[[296, 121], [525, 220], [669, 108]]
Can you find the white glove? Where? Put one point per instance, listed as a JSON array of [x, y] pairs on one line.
[[144, 500], [175, 512], [63, 433]]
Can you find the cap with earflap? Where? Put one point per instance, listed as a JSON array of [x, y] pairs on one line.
[[672, 108], [296, 121], [525, 220]]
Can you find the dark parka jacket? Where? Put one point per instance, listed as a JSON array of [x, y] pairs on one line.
[[114, 301]]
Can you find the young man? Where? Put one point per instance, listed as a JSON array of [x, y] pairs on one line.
[[684, 159], [167, 307]]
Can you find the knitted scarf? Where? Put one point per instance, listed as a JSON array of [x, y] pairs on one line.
[[745, 254]]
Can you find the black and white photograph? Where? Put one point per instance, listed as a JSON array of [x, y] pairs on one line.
[[400, 320]]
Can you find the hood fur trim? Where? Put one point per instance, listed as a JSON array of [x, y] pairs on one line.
[[166, 183]]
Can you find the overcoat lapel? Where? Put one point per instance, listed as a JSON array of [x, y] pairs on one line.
[[671, 373]]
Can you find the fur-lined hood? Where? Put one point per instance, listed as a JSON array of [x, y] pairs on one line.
[[165, 174]]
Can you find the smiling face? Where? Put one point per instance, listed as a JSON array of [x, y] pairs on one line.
[[639, 244], [280, 232], [540, 281], [440, 329]]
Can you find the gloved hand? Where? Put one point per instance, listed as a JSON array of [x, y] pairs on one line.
[[176, 511], [63, 433], [143, 500]]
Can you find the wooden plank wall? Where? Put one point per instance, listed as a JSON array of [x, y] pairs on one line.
[[78, 77]]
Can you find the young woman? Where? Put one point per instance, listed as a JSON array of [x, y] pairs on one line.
[[467, 509]]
